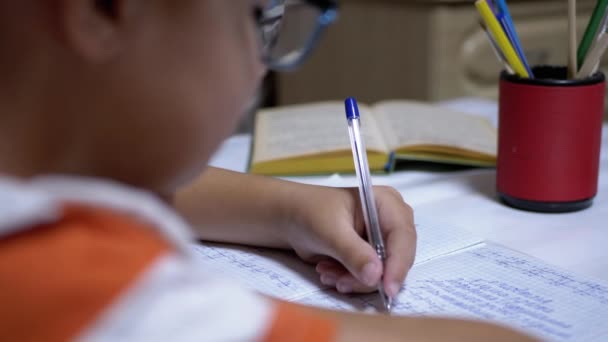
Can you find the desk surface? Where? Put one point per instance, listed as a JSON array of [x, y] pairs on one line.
[[575, 241]]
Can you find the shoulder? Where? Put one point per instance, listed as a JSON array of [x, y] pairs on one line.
[[95, 261], [65, 258]]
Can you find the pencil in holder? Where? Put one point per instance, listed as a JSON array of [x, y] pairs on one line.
[[549, 140]]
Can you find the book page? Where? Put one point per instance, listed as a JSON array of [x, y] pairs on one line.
[[310, 129], [493, 283], [283, 275], [410, 123]]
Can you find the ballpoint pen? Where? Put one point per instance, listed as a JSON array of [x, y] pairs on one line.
[[504, 18], [366, 192], [496, 49]]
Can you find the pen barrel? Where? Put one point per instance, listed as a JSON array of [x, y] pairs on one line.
[[366, 191], [380, 251]]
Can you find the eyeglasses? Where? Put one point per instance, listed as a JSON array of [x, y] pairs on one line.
[[290, 29]]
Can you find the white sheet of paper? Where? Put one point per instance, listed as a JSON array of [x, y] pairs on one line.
[[281, 274], [435, 240], [493, 283], [274, 273], [455, 274]]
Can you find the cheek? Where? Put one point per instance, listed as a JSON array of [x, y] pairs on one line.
[[185, 144], [205, 118], [227, 62], [228, 85], [216, 80], [237, 55]]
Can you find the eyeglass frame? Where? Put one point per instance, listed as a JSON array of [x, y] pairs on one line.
[[328, 14]]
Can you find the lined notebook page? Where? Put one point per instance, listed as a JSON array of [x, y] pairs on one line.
[[490, 282], [275, 273], [282, 275], [435, 240]]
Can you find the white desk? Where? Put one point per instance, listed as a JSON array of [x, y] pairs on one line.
[[574, 241]]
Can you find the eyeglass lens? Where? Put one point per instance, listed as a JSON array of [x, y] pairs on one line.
[[286, 28]]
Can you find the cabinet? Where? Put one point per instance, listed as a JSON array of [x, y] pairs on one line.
[[427, 50]]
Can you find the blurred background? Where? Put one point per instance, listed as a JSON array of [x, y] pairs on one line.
[[427, 50]]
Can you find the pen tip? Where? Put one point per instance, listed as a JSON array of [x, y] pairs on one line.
[[352, 110]]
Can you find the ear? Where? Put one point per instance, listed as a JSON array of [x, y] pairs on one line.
[[92, 29]]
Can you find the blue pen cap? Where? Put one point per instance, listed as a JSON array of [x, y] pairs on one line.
[[352, 110]]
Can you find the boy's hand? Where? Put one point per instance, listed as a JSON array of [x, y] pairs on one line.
[[322, 224], [328, 229]]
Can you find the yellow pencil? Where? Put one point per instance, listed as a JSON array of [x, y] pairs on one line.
[[501, 38]]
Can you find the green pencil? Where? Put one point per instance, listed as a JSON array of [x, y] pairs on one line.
[[594, 22]]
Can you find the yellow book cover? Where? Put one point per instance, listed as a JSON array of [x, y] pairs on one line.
[[313, 138]]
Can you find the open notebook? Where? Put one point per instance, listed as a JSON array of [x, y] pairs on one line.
[[455, 274]]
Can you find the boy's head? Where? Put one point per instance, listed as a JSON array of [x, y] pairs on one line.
[[136, 90], [141, 91]]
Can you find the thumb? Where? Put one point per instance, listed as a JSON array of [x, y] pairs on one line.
[[359, 258]]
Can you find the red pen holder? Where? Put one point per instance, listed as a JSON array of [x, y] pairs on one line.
[[549, 140]]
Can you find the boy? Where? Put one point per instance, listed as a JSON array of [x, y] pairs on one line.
[[106, 106]]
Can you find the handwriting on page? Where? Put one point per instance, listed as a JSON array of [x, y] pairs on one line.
[[283, 275], [493, 283], [483, 281], [274, 273]]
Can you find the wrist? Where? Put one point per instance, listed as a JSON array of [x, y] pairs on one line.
[[293, 213], [304, 205]]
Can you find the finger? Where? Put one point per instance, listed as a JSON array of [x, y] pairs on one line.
[[358, 257], [328, 279], [399, 260], [334, 274], [347, 284], [330, 271], [329, 265], [396, 219]]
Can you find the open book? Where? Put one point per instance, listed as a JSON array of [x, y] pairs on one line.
[[313, 138], [455, 274]]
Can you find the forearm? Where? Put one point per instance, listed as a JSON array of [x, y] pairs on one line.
[[355, 327], [365, 328], [228, 206]]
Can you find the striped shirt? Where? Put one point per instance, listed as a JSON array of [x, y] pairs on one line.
[[90, 260]]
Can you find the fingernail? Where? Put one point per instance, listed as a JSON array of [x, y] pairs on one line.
[[393, 289], [322, 266], [370, 273], [344, 287], [328, 279]]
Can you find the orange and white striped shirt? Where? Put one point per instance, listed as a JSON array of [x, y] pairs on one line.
[[83, 259]]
